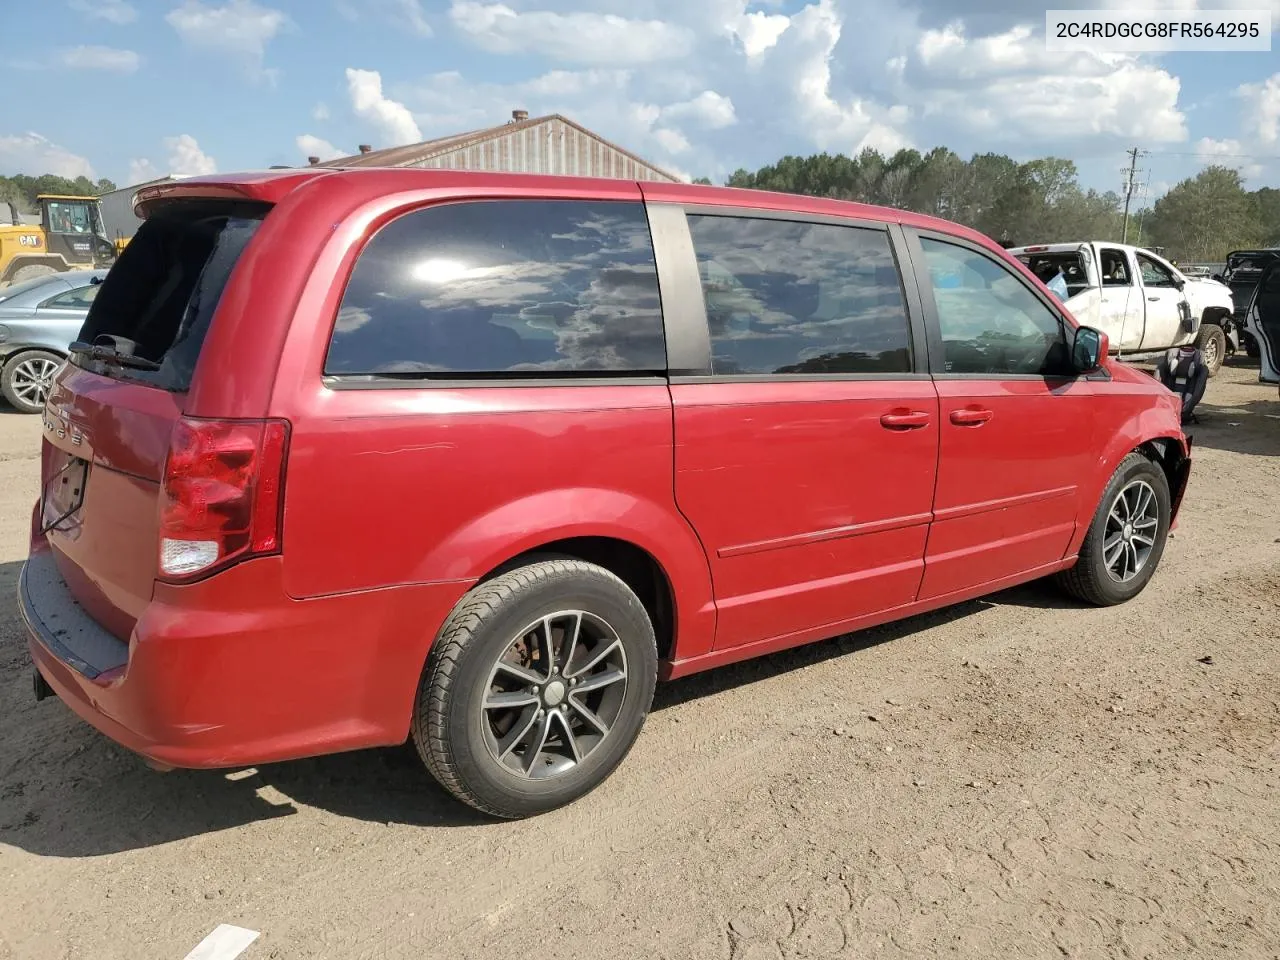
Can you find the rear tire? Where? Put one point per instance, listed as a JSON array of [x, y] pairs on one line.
[[26, 379], [1116, 560], [1212, 344], [31, 271], [536, 688]]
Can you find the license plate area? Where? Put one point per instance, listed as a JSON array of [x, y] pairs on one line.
[[64, 494]]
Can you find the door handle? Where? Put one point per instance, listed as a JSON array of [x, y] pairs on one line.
[[1153, 299], [913, 420], [970, 418]]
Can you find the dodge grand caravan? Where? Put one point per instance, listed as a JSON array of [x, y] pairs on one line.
[[347, 457]]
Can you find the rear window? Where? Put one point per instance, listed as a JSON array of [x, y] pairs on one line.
[[162, 293], [1046, 266], [521, 288]]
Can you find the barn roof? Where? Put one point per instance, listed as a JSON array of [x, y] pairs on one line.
[[415, 153]]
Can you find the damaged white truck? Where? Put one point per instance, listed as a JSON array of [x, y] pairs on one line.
[[1143, 303]]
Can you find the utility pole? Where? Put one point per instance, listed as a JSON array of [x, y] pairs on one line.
[[1129, 184]]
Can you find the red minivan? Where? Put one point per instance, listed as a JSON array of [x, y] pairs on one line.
[[344, 457]]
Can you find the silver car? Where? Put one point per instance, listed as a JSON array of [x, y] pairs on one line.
[[38, 320]]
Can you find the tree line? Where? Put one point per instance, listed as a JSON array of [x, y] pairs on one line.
[[1200, 219], [22, 190]]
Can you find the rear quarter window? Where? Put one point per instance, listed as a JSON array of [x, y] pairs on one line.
[[521, 288]]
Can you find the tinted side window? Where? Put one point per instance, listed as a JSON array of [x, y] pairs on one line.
[[521, 286], [990, 321], [789, 297], [79, 297]]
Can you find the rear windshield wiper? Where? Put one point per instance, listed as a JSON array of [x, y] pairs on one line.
[[98, 351]]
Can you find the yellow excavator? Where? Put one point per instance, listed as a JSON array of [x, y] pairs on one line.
[[68, 236]]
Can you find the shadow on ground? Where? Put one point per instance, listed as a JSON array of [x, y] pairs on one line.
[[67, 791]]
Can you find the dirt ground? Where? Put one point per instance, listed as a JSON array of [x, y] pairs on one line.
[[1016, 777]]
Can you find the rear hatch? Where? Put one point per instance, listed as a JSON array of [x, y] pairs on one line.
[[112, 412]]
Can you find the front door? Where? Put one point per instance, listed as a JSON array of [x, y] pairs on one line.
[[1016, 430], [806, 452]]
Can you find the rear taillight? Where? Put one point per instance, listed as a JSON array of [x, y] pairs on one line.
[[223, 488]]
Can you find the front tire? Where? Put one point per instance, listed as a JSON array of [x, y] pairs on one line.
[[536, 688], [1212, 344], [27, 379], [1126, 539]]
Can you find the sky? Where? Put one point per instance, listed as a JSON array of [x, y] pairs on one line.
[[133, 89]]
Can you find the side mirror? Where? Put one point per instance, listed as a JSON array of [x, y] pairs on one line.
[[1089, 349]]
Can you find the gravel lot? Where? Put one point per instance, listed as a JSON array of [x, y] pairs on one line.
[[1015, 777]]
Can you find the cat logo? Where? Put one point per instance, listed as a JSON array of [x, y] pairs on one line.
[[29, 240]]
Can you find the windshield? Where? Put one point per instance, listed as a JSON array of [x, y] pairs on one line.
[[75, 217]]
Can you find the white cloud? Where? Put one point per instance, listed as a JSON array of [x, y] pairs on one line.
[[759, 31], [186, 158], [240, 29], [402, 14], [391, 118], [320, 112], [142, 171], [113, 11], [672, 141], [100, 58], [312, 146], [410, 14], [1262, 103], [1007, 87], [33, 154], [575, 37], [708, 109]]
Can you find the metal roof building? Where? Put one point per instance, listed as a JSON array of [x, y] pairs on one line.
[[552, 144]]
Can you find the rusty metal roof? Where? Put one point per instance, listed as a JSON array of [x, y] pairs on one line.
[[416, 153]]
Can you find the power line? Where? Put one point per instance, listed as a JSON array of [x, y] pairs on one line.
[[1211, 155], [1131, 173]]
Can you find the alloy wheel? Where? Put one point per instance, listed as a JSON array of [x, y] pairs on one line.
[[554, 694], [33, 379], [1130, 534]]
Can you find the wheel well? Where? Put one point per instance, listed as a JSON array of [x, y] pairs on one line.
[[56, 261], [634, 566], [1168, 454], [1215, 315]]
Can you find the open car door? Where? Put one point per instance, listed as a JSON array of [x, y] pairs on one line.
[[1264, 322]]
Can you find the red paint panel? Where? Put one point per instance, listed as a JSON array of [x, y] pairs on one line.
[[1008, 482], [810, 510]]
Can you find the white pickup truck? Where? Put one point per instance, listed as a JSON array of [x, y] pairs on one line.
[[1143, 303]]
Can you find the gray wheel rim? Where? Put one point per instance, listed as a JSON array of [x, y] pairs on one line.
[[1130, 535], [555, 694], [32, 380], [1210, 352]]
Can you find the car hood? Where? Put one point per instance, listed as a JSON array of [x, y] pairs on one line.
[[1208, 283]]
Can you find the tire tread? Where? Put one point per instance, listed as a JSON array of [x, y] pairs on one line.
[[430, 723], [1082, 580]]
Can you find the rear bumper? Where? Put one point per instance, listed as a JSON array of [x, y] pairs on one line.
[[231, 672]]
